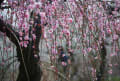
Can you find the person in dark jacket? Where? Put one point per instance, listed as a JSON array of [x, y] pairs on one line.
[[62, 57], [63, 60]]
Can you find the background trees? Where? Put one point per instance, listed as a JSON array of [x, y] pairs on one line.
[[82, 27]]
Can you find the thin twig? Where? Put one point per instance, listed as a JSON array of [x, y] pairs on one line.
[[59, 73]]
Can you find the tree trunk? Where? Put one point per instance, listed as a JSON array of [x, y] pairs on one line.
[[29, 69], [100, 72]]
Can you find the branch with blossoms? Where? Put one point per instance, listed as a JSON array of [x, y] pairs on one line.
[[10, 33], [82, 26], [27, 50]]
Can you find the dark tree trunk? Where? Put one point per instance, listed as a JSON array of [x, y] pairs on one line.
[[100, 72], [29, 69]]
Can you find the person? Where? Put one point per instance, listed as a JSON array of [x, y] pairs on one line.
[[71, 55], [62, 57], [63, 60]]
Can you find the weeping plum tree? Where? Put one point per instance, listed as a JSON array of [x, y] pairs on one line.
[[27, 50], [29, 69], [82, 25]]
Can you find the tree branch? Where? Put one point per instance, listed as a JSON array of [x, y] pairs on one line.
[[10, 33], [14, 37], [5, 7]]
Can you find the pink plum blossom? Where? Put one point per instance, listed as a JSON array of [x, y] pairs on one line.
[[110, 71], [64, 63], [26, 37], [34, 36], [42, 14], [115, 37], [69, 20]]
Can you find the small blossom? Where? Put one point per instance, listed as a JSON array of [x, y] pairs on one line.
[[109, 31], [69, 43], [69, 20], [54, 27], [66, 32], [26, 37], [84, 52], [34, 36], [31, 22], [93, 72], [21, 43], [64, 63], [32, 2], [38, 4], [31, 7], [44, 35], [25, 45], [114, 12], [53, 7], [54, 51], [53, 57], [115, 64], [33, 46], [21, 33], [52, 66], [115, 37], [63, 55], [50, 31], [110, 65], [113, 54], [27, 15], [20, 38], [89, 49], [35, 55], [110, 71], [96, 57], [42, 14]]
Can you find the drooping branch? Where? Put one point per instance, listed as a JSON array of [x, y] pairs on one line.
[[14, 38], [38, 32], [9, 32]]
